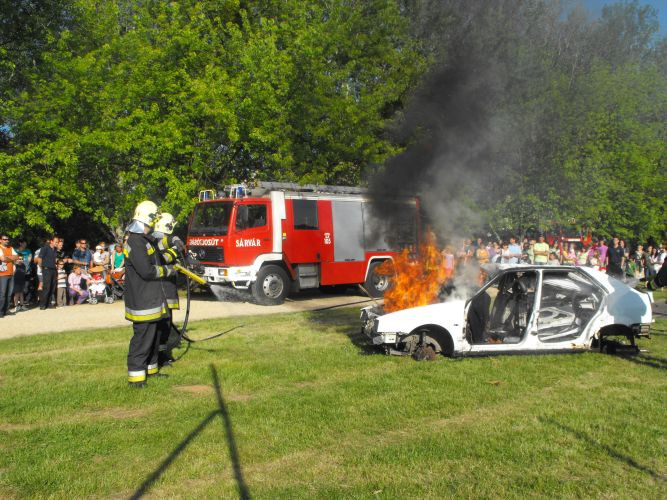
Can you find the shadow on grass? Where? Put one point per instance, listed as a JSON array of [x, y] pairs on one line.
[[645, 360], [608, 449], [244, 493]]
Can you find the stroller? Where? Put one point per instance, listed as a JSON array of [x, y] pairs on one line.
[[115, 280], [99, 290]]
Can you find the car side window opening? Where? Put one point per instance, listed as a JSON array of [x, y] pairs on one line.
[[500, 314], [250, 216], [305, 214], [569, 302]]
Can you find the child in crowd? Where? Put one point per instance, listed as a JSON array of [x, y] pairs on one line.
[[582, 257], [449, 260], [594, 260], [101, 256], [61, 294], [97, 287], [553, 259], [75, 290]]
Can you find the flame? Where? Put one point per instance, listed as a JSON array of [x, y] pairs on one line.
[[415, 281]]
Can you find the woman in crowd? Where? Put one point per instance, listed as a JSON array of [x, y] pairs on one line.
[[570, 258], [117, 258], [638, 259], [649, 261]]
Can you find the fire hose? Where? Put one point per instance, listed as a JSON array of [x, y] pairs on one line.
[[182, 331], [191, 276]]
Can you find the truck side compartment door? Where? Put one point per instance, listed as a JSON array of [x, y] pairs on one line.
[[306, 231]]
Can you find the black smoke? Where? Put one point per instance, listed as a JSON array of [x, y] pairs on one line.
[[460, 128]]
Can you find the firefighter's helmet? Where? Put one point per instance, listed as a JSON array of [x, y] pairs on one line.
[[146, 212], [165, 223]]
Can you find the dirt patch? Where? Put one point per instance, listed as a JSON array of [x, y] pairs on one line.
[[306, 384], [102, 414], [18, 427], [195, 389], [207, 389], [239, 397], [113, 413]]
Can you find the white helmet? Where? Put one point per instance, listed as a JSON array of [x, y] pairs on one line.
[[146, 212], [165, 224]]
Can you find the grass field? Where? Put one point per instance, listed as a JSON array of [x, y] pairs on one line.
[[296, 406]]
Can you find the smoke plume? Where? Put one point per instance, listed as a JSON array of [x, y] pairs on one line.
[[460, 135]]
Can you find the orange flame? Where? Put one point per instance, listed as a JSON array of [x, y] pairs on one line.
[[416, 281]]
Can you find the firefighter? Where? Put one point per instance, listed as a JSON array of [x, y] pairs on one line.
[[145, 299], [171, 250]]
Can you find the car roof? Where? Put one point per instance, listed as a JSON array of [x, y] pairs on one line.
[[599, 277]]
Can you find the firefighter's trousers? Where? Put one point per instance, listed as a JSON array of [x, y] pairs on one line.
[[163, 329], [143, 352], [167, 339]]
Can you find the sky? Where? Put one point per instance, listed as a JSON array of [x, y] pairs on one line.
[[595, 7]]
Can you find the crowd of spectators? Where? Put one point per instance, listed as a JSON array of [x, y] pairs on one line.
[[615, 259], [53, 276]]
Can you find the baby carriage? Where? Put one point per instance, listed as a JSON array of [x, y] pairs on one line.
[[99, 290], [115, 280]]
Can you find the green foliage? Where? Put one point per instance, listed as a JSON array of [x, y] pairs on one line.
[[103, 103], [158, 99], [568, 115]]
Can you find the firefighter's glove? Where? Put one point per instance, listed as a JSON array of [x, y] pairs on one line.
[[169, 271], [178, 244]]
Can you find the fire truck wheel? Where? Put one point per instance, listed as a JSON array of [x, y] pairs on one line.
[[271, 286], [376, 284]]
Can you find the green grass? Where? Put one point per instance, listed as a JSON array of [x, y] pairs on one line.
[[310, 413]]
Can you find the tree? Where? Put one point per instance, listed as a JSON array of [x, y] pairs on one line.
[[158, 99], [532, 116]]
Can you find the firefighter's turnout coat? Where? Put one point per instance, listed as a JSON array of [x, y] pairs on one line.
[[169, 253], [145, 288]]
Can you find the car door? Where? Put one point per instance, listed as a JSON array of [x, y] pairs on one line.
[[504, 310], [569, 303]]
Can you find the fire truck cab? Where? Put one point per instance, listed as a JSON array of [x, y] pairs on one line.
[[276, 238]]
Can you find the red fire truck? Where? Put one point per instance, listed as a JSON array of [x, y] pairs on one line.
[[275, 238]]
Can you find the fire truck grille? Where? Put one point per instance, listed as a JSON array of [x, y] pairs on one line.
[[208, 254]]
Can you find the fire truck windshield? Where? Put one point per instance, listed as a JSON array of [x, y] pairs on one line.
[[211, 218]]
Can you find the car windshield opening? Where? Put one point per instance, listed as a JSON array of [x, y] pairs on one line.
[[211, 218]]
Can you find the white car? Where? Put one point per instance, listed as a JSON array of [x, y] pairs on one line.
[[521, 308]]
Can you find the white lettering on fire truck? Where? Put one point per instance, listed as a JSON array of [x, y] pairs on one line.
[[252, 242], [327, 238], [205, 242]]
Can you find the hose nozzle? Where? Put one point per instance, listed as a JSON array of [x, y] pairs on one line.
[[190, 274]]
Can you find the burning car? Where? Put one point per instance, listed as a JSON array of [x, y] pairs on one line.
[[520, 308]]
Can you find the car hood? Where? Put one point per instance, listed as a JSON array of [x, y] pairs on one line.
[[445, 314]]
